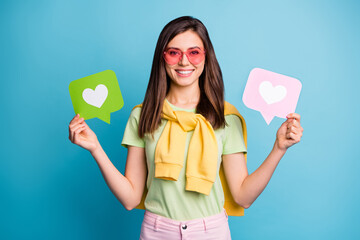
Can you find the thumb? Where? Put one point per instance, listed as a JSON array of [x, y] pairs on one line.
[[284, 124], [282, 129]]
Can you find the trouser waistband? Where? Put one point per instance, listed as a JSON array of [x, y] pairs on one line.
[[196, 224]]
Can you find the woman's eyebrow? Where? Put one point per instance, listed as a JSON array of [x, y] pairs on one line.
[[195, 47]]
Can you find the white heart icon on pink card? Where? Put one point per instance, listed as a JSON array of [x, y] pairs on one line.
[[272, 94]]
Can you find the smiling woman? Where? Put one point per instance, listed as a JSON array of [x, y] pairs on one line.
[[183, 34], [184, 70], [186, 162]]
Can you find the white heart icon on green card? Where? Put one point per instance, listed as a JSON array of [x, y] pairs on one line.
[[95, 97]]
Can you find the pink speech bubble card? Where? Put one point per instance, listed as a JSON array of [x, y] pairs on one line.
[[271, 94]]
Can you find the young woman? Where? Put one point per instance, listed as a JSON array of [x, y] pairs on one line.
[[180, 138]]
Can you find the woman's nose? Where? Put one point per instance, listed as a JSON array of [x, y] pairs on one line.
[[184, 61]]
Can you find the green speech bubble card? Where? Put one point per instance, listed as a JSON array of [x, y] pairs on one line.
[[96, 95]]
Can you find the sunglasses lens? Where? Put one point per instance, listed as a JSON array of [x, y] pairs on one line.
[[172, 56], [195, 56]]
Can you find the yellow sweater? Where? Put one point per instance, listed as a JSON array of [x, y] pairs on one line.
[[202, 154]]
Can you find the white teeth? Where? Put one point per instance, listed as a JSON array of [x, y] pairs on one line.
[[184, 72]]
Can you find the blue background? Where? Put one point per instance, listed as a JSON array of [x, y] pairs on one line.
[[52, 189]]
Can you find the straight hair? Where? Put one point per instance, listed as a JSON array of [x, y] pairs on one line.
[[211, 103]]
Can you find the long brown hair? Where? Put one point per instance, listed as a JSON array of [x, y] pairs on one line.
[[211, 103]]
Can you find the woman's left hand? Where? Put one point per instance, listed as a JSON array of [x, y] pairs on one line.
[[290, 132]]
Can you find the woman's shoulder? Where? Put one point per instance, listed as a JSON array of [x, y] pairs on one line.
[[232, 114], [139, 106], [230, 109], [136, 111]]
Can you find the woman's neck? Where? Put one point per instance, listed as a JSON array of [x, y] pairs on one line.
[[184, 97]]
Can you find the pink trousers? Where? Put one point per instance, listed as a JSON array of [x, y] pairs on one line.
[[155, 227]]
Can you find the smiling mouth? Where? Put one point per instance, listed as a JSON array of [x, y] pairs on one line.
[[184, 72]]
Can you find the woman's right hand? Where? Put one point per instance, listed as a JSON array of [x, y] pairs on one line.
[[80, 134]]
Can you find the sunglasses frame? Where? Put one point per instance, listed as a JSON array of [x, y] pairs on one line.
[[182, 54]]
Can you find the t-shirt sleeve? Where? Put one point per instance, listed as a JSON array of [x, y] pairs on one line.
[[233, 141], [131, 137]]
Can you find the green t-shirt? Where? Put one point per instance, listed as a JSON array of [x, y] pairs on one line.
[[169, 198]]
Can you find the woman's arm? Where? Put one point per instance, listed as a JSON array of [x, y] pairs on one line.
[[246, 188], [127, 189]]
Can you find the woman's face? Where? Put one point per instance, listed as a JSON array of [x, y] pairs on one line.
[[184, 73]]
